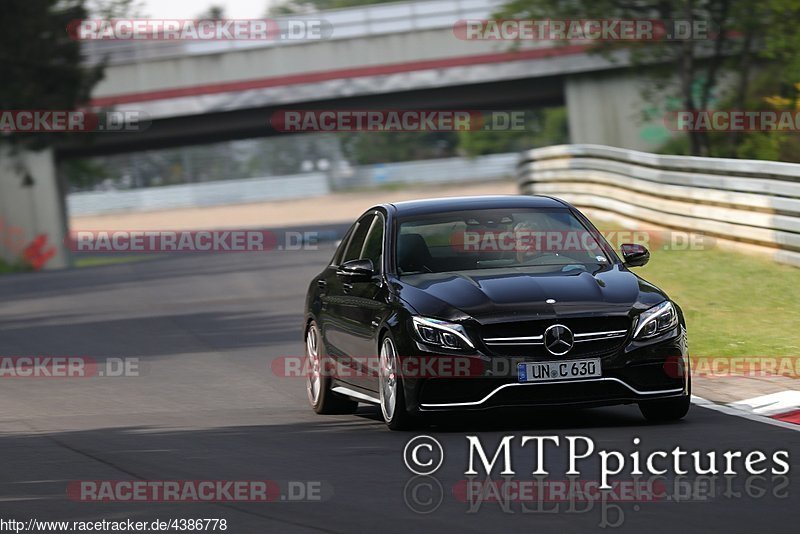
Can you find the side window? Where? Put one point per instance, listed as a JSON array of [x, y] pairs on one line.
[[373, 246], [337, 256], [356, 244]]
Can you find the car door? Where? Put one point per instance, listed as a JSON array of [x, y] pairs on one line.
[[337, 301], [365, 305], [330, 292]]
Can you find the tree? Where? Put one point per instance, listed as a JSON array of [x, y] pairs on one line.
[[289, 7], [737, 26], [543, 127], [109, 9], [214, 12], [365, 148], [782, 41], [41, 64]]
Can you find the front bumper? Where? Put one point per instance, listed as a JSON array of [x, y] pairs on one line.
[[634, 373]]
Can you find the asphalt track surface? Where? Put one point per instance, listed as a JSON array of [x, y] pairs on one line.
[[207, 406]]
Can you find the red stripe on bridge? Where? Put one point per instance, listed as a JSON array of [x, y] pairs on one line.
[[355, 72]]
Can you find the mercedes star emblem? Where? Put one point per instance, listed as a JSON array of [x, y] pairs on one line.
[[558, 339]]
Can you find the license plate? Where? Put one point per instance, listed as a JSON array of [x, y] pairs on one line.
[[563, 370]]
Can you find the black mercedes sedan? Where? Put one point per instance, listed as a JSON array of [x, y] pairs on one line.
[[478, 303]]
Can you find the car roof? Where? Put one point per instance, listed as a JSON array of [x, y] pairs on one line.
[[437, 205]]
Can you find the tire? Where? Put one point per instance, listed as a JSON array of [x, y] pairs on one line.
[[390, 388], [659, 411], [665, 409], [318, 383]]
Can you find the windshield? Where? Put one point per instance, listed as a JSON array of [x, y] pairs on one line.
[[548, 239]]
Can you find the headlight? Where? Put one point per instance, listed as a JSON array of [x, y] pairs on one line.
[[441, 333], [655, 321]]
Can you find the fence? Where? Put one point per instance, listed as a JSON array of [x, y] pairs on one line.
[[743, 203], [431, 171], [434, 171], [198, 195]]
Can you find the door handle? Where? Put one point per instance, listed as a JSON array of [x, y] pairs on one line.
[[347, 287], [376, 322], [322, 284]]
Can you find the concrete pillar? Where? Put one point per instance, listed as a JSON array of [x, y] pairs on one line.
[[30, 205], [608, 109]]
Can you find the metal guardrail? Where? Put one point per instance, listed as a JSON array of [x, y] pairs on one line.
[[743, 203], [347, 23]]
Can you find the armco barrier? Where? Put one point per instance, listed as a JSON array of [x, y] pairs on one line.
[[743, 203]]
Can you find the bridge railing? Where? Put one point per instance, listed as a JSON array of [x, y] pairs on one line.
[[746, 204], [347, 23]]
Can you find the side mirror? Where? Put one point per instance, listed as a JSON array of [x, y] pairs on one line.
[[356, 269], [634, 255]]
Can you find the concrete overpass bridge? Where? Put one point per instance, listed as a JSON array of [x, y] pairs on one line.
[[389, 56]]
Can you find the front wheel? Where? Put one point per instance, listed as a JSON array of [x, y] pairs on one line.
[[390, 386], [318, 384]]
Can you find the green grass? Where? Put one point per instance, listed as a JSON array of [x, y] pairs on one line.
[[15, 267], [734, 304], [94, 261]]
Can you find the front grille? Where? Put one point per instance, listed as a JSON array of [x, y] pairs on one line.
[[593, 336]]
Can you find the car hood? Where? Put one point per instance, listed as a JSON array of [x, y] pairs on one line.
[[504, 295]]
